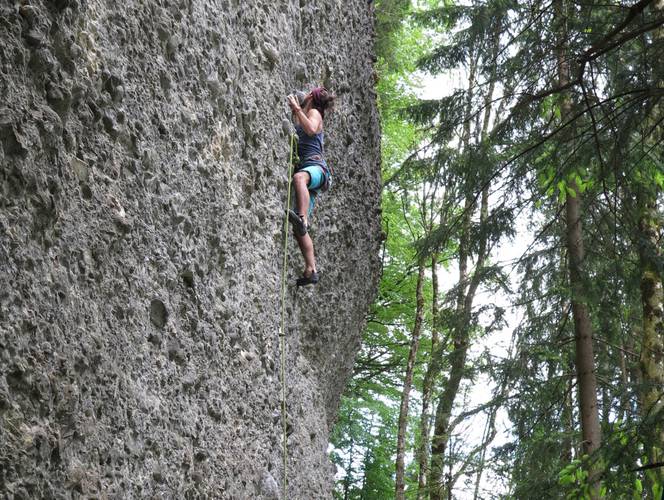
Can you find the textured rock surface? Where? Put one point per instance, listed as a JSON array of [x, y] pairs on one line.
[[143, 153]]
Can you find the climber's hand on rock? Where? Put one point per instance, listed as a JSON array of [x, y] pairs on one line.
[[294, 105]]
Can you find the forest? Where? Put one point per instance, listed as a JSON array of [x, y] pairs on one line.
[[516, 346]]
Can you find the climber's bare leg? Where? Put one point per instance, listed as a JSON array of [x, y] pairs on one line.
[[301, 181], [307, 249], [302, 197]]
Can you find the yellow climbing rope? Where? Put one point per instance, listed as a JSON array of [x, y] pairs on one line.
[[282, 334]]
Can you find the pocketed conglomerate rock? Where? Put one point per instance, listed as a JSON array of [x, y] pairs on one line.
[[143, 156]]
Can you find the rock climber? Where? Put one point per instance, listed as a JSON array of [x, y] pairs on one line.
[[312, 174]]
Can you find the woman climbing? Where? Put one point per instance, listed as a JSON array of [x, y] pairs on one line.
[[311, 174]]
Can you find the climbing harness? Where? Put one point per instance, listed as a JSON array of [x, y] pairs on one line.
[[282, 333]]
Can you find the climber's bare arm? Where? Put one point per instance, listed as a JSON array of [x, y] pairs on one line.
[[311, 121]]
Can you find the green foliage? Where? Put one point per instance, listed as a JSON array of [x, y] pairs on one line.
[[398, 46], [390, 17], [364, 446], [598, 141], [369, 411], [574, 480]]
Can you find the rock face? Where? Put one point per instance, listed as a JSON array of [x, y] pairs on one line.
[[143, 155]]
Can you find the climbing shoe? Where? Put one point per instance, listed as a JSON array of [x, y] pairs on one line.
[[299, 227], [312, 279]]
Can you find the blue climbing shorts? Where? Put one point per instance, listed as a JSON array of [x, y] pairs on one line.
[[316, 177], [316, 181]]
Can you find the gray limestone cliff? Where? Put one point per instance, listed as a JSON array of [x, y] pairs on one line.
[[143, 152]]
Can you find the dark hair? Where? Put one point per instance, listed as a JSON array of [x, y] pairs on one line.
[[322, 99]]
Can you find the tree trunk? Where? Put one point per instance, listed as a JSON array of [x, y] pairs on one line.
[[458, 356], [465, 297], [488, 436], [583, 334], [652, 347], [427, 389], [465, 293], [652, 300], [407, 384], [457, 362], [461, 330], [585, 364]]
